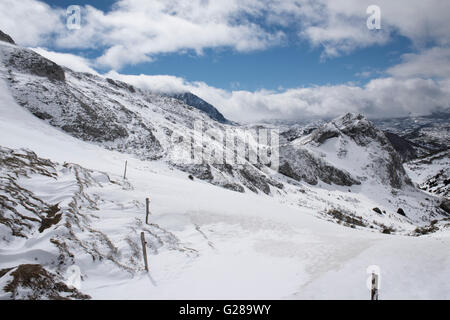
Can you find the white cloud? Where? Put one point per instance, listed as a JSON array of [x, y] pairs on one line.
[[71, 61], [137, 30], [134, 31], [158, 83], [30, 22], [380, 98], [434, 62], [339, 26]]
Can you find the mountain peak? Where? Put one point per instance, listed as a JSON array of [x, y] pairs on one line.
[[352, 136], [349, 119], [354, 125], [196, 102]]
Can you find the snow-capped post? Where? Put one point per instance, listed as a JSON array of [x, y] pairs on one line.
[[374, 291], [125, 171], [144, 250], [147, 209]]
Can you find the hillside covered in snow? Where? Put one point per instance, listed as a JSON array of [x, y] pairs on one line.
[[342, 197]]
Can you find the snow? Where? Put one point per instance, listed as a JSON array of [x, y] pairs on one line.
[[244, 245]]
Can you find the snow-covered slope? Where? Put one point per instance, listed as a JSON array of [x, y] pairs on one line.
[[354, 144], [236, 245], [432, 173], [426, 132], [120, 117], [64, 203]]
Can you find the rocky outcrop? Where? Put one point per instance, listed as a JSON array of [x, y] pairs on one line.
[[192, 100], [6, 38], [355, 126], [405, 148], [30, 62], [301, 165], [445, 205]]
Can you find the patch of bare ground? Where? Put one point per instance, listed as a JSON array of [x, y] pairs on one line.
[[33, 282]]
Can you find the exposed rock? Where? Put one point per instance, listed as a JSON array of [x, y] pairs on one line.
[[225, 175], [401, 212], [355, 126], [33, 63], [39, 214], [192, 100], [300, 164], [33, 282], [6, 38], [120, 84], [347, 218], [433, 227], [377, 210], [445, 205], [254, 180], [438, 184], [406, 149]]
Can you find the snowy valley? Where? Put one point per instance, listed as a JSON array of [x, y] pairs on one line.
[[346, 196]]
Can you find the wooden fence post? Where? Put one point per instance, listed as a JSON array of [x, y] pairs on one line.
[[147, 209], [144, 250], [374, 291], [125, 171]]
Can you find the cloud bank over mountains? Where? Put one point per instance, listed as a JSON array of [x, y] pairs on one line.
[[137, 31]]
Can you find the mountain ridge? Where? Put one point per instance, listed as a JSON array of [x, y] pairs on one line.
[[194, 101]]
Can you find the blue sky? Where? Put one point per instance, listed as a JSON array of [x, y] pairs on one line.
[[290, 65], [255, 59]]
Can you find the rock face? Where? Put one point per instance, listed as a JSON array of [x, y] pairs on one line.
[[406, 149], [302, 165], [445, 205], [6, 38], [355, 126], [33, 63], [200, 104], [344, 151]]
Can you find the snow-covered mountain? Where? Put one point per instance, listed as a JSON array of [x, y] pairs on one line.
[[432, 173], [427, 132], [326, 213]]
